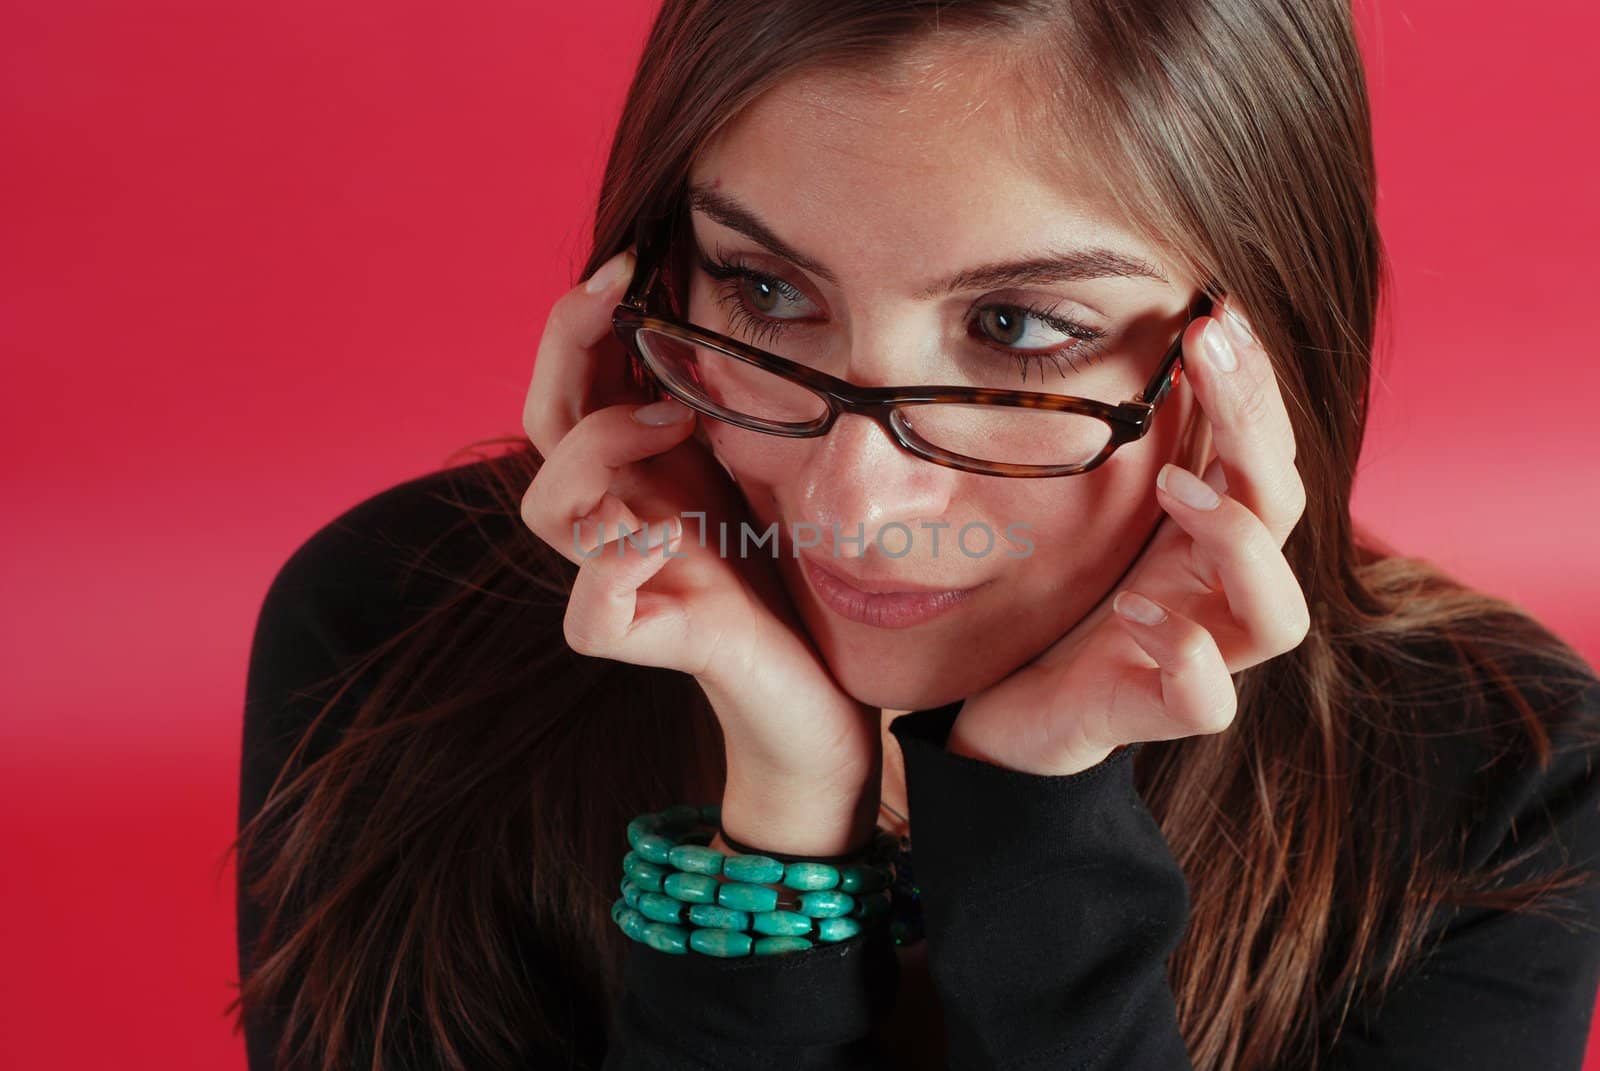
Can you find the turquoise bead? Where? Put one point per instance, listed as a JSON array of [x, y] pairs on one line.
[[654, 847], [696, 859], [724, 943], [647, 876], [645, 823], [664, 937], [633, 924], [828, 904], [691, 888], [681, 814], [783, 923], [811, 876], [862, 879], [837, 929], [754, 869], [743, 897], [718, 917], [670, 898], [660, 908], [768, 946]]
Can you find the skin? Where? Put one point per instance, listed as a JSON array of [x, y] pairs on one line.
[[876, 183], [874, 176]]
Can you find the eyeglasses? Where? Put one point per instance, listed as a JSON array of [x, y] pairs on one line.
[[976, 429]]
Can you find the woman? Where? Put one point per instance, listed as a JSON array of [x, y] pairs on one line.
[[1200, 777]]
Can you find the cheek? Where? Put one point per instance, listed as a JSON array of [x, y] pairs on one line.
[[1079, 527], [752, 459]]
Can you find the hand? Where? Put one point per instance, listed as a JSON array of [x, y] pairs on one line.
[[1231, 599], [728, 622]]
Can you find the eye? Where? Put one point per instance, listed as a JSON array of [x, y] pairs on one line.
[[1010, 325], [754, 301], [761, 306], [1002, 327]]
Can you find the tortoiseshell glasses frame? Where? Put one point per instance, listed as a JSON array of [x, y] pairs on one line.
[[1129, 421]]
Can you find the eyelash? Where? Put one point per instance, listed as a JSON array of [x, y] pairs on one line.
[[731, 273]]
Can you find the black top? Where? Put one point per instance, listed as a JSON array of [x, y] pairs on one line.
[[1049, 904]]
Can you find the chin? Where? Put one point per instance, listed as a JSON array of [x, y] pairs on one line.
[[910, 685]]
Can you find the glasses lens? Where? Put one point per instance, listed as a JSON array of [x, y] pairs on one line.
[[728, 384], [1010, 435]]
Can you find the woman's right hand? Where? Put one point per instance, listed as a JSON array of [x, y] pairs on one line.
[[788, 727]]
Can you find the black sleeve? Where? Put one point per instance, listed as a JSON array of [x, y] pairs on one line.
[[1051, 905], [297, 643], [345, 588], [816, 1010]]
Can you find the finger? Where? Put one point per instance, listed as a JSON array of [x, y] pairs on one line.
[[1189, 691], [574, 482], [580, 364], [609, 520], [608, 617], [1249, 420], [1233, 551]]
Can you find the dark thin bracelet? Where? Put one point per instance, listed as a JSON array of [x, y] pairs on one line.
[[745, 849]]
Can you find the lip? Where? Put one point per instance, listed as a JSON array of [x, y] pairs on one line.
[[869, 586], [890, 609]]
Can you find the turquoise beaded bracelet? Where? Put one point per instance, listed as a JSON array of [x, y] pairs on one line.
[[673, 901]]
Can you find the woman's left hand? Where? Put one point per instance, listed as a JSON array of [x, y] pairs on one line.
[[1231, 599]]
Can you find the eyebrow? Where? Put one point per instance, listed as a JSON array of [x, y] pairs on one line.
[[1089, 262]]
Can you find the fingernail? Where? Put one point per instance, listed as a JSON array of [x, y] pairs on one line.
[[1238, 327], [1186, 487], [666, 411], [609, 273], [1217, 345], [1136, 607]]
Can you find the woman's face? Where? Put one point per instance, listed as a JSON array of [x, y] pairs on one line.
[[891, 187]]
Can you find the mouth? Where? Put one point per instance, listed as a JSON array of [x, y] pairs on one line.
[[880, 609]]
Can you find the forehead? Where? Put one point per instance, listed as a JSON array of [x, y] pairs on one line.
[[943, 153]]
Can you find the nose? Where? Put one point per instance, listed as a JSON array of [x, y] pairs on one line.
[[858, 476]]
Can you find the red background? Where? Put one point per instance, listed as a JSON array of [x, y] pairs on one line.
[[265, 260]]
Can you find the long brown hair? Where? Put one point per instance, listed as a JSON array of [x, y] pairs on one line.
[[470, 814]]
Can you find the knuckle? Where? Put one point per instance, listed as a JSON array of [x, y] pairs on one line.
[[1191, 647], [534, 509], [1296, 630], [1252, 544], [558, 321], [536, 424], [1294, 495], [579, 636], [1251, 404], [1222, 715], [528, 509], [541, 426]]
